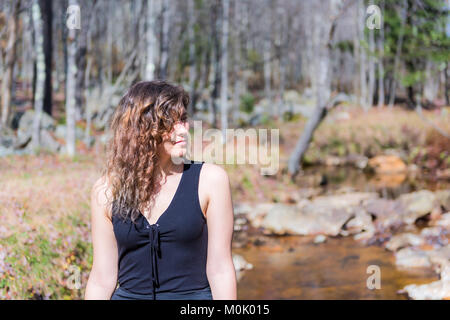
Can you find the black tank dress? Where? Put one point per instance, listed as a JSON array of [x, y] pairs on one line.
[[167, 259]]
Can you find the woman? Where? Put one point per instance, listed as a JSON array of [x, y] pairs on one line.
[[162, 228]]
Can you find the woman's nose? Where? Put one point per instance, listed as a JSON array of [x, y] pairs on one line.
[[182, 128]]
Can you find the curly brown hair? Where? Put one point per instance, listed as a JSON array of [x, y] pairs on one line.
[[145, 114]]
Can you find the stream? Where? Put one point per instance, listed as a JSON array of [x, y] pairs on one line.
[[294, 267]]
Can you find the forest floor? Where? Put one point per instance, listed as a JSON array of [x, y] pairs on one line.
[[45, 240]]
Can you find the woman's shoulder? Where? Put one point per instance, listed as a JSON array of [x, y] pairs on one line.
[[214, 173], [101, 194]]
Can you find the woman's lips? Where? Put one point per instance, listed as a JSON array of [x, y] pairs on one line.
[[181, 141]]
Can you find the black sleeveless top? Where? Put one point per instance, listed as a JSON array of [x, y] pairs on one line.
[[169, 255]]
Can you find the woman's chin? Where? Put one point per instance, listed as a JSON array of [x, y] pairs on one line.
[[179, 153]]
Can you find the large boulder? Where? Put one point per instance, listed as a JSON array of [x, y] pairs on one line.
[[391, 214], [417, 204], [324, 215], [25, 130]]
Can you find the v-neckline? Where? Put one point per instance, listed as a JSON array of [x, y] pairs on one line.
[[171, 202]]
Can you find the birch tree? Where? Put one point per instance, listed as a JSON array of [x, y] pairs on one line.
[[70, 88], [40, 75]]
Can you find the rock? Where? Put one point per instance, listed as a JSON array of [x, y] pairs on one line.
[[320, 239], [388, 213], [61, 130], [443, 197], [7, 138], [412, 258], [362, 221], [437, 290], [361, 226], [345, 200], [444, 221], [49, 142], [240, 263], [323, 215], [431, 232], [254, 213], [387, 164], [404, 240], [417, 204], [25, 130]]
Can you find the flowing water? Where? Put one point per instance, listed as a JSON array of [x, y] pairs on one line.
[[294, 267]]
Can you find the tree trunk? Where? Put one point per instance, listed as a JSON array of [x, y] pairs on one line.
[[380, 45], [224, 69], [192, 65], [237, 65], [47, 18], [362, 61], [7, 78], [40, 75], [215, 23], [70, 90], [398, 50], [446, 84], [151, 40], [267, 56], [371, 69], [165, 39]]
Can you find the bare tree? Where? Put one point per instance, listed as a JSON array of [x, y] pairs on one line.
[[325, 30], [150, 68], [40, 75], [47, 19], [224, 68], [70, 89], [166, 10], [10, 59], [392, 90], [380, 45], [192, 64], [267, 52]]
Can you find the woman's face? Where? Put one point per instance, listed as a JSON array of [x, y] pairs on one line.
[[175, 143]]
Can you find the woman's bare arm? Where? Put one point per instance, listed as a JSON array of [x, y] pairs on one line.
[[103, 277], [220, 219]]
